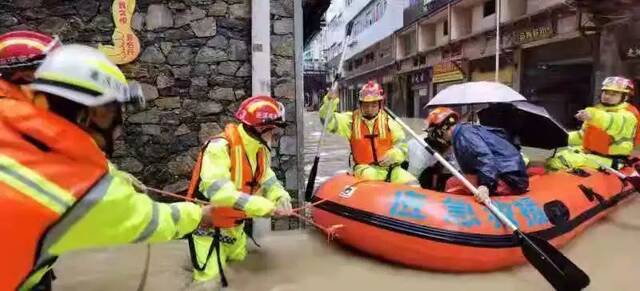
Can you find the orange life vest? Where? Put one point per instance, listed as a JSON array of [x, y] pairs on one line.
[[248, 182], [10, 90], [636, 113], [58, 152], [369, 147], [19, 92], [598, 141]]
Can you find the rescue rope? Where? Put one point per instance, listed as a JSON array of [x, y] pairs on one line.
[[174, 195], [145, 271], [330, 231]]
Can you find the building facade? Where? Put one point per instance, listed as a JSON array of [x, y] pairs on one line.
[[316, 77], [370, 51], [554, 52], [455, 43]]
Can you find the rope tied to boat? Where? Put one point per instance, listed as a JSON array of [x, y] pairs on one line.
[[330, 231]]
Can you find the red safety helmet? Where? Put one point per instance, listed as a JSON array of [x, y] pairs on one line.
[[619, 84], [371, 92], [23, 49], [441, 116], [261, 111]]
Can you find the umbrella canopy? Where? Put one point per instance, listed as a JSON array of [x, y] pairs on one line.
[[475, 93], [530, 124]]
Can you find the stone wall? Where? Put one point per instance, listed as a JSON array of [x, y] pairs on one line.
[[283, 87], [195, 66]]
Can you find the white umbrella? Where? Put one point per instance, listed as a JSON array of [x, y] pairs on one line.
[[475, 93]]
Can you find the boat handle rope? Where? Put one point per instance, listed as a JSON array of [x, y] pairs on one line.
[[330, 231]]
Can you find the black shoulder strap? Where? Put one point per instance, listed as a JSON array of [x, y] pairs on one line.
[[194, 257], [214, 245]]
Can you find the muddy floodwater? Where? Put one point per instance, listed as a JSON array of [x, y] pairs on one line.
[[608, 251]]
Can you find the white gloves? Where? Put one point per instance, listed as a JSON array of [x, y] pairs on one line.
[[482, 194], [283, 206], [388, 159]]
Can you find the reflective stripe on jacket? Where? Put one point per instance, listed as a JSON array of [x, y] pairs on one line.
[[611, 130], [369, 147], [58, 193], [222, 161], [342, 124]]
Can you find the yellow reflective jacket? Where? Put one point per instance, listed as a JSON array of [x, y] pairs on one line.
[[216, 183], [60, 194], [617, 122], [342, 125]]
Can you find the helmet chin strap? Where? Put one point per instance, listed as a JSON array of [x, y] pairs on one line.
[[255, 134], [613, 105], [372, 117], [375, 114], [622, 100]]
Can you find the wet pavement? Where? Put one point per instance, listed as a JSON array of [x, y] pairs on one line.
[[303, 260]]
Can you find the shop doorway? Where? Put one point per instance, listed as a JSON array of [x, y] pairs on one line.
[[410, 100], [559, 79]]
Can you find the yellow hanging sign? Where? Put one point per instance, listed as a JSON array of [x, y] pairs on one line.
[[447, 71], [505, 75], [126, 45]]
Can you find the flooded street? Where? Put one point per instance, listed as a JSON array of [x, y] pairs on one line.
[[303, 260]]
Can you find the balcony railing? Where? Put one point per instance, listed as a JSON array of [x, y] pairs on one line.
[[419, 9]]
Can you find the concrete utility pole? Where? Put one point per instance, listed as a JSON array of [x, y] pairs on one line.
[[298, 31], [260, 47], [261, 72], [498, 40]]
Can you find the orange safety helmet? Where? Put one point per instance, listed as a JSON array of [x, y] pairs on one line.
[[441, 116], [619, 84], [371, 92], [261, 111], [23, 49]]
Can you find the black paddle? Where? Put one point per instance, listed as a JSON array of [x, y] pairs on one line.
[[311, 182], [633, 180], [559, 271]]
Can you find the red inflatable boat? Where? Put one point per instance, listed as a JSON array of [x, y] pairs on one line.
[[440, 231]]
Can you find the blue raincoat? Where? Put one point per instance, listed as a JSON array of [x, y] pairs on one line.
[[489, 153]]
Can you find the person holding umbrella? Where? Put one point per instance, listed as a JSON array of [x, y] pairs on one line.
[[608, 133], [485, 155], [377, 141]]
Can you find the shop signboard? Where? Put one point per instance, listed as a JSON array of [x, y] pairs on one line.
[[630, 49], [447, 71], [419, 77], [505, 75], [533, 32]]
